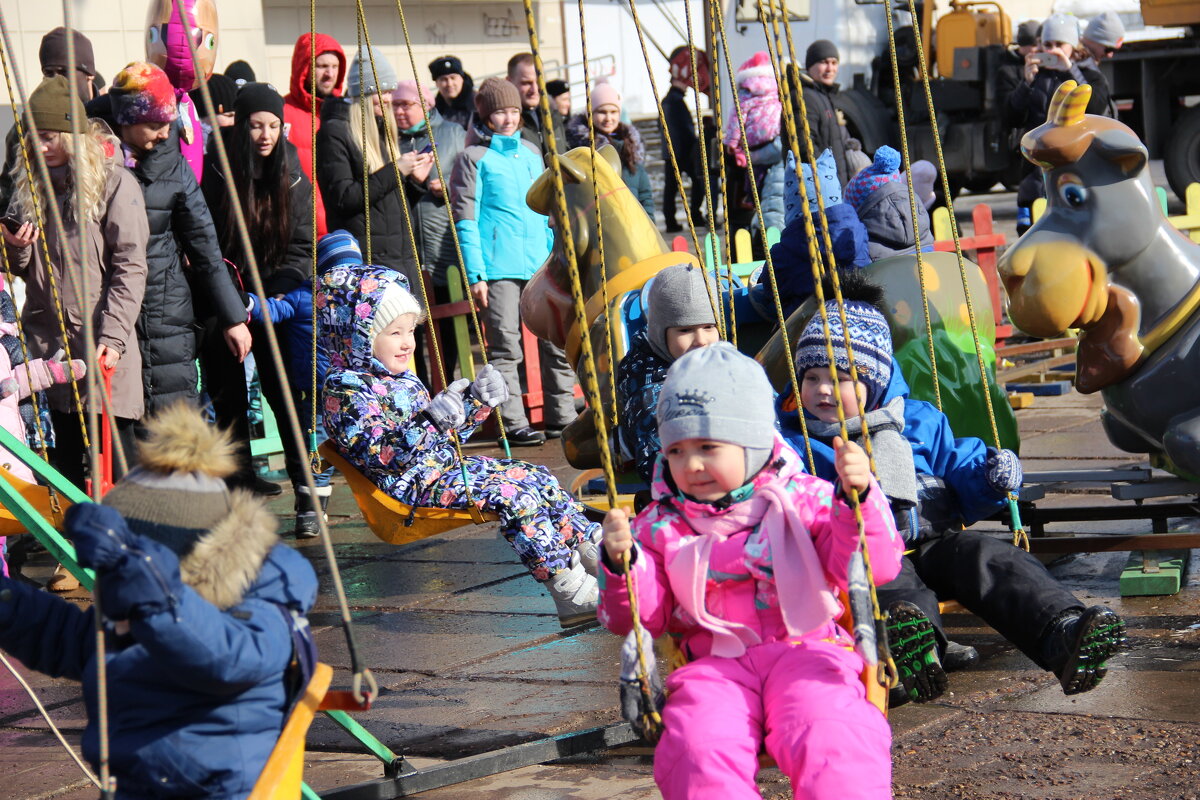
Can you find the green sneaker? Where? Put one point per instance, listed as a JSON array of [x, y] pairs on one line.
[[914, 649]]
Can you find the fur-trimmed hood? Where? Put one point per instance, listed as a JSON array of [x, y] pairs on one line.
[[228, 560]]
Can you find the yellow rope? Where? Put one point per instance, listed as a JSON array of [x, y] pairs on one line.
[[437, 163], [591, 384], [406, 213], [715, 61], [1020, 536], [937, 391], [314, 457], [25, 136], [673, 161], [365, 113]]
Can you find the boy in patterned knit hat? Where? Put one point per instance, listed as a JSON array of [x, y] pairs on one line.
[[880, 196], [936, 485]]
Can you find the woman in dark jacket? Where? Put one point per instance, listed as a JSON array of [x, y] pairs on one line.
[[340, 166], [276, 201], [606, 115], [142, 106]]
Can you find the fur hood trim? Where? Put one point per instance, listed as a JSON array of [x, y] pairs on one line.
[[179, 440], [225, 561]]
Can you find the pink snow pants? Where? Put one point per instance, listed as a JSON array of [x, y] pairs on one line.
[[805, 699]]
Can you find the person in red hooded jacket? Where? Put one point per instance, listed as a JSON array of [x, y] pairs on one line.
[[297, 104]]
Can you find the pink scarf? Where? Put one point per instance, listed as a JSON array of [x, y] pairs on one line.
[[805, 599]]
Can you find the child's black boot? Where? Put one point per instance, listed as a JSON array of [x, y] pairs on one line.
[[914, 649], [307, 524], [1077, 645]]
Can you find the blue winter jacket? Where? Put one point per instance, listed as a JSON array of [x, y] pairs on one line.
[[640, 377], [196, 693], [959, 463], [793, 268], [501, 237]]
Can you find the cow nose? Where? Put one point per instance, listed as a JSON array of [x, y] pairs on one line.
[[1016, 266]]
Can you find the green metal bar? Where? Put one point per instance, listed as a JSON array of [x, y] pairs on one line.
[[29, 458], [44, 532], [307, 793], [364, 736]]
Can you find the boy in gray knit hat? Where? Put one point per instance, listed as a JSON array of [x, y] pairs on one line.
[[937, 484], [679, 318]]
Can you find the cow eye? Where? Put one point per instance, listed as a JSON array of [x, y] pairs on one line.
[[1074, 194]]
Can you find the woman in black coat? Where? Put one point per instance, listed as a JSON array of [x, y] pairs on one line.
[[276, 201], [186, 280]]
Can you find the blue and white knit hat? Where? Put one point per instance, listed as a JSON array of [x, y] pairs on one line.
[[831, 188], [870, 337], [337, 249]]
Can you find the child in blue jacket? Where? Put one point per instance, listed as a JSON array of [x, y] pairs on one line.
[[382, 419], [937, 485], [203, 612], [292, 315]]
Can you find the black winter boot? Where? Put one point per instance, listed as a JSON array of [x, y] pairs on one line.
[[307, 525], [914, 649], [1077, 645]]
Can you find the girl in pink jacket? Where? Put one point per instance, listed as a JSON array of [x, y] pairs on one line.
[[739, 559]]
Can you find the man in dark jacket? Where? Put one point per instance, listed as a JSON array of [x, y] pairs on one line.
[[141, 105], [198, 667], [681, 128], [819, 83], [522, 73], [456, 90]]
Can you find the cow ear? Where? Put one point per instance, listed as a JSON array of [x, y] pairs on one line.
[[1132, 162], [571, 171], [612, 157], [541, 193], [1126, 152]]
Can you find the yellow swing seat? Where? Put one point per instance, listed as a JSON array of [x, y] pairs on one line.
[[284, 770], [37, 496], [393, 521]]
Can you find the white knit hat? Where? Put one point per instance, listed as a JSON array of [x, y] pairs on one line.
[[395, 302]]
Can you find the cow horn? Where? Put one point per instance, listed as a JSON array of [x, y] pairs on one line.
[[1069, 110]]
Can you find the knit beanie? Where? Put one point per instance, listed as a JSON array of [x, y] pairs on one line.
[[885, 169], [396, 301], [337, 249], [240, 72], [50, 104], [831, 187], [718, 393], [605, 94], [856, 162], [362, 80], [177, 493], [756, 66], [254, 97], [1061, 28], [1106, 30], [223, 91], [820, 50], [558, 86], [495, 94], [681, 66], [1027, 33], [924, 174], [410, 91], [52, 53], [142, 93], [870, 337], [676, 298], [445, 65]]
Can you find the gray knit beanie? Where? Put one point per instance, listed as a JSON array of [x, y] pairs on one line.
[[677, 298], [718, 393], [362, 80]]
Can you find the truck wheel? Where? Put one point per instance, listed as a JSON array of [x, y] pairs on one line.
[[1182, 153], [867, 118]]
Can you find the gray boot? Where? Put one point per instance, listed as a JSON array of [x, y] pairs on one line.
[[588, 549], [307, 525], [575, 594]]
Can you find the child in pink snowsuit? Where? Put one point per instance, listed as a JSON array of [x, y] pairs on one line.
[[739, 558]]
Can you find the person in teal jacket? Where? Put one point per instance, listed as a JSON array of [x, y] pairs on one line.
[[503, 240]]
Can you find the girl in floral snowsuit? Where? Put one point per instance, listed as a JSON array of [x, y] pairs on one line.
[[384, 422]]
